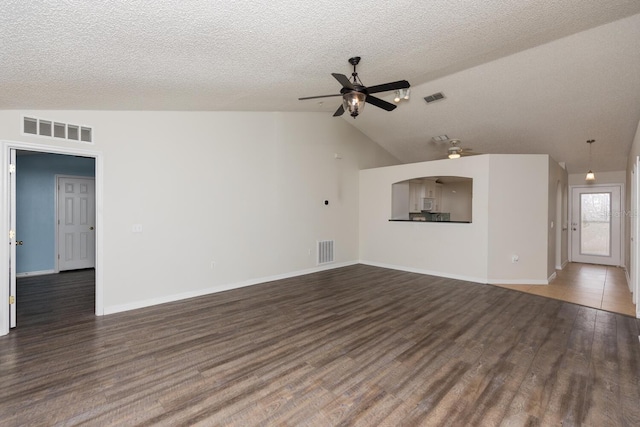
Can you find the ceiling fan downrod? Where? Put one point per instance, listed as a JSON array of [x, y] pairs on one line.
[[355, 61]]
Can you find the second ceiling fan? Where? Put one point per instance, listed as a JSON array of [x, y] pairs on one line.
[[455, 151], [355, 94]]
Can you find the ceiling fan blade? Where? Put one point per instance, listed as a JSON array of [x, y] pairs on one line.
[[319, 96], [400, 84], [344, 81], [380, 103], [466, 152], [339, 111]]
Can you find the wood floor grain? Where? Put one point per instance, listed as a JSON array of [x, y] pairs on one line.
[[358, 345]]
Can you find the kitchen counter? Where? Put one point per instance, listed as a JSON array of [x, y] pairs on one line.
[[430, 222]]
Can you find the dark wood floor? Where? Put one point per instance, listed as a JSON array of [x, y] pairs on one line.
[[353, 346]]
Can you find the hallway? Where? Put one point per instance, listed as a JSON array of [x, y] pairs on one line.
[[591, 285]]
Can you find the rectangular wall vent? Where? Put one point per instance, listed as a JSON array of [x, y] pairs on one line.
[[325, 251], [56, 130], [433, 98]]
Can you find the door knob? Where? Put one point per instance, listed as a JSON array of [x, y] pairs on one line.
[[90, 228]]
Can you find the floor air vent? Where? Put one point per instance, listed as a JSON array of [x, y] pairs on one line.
[[325, 251]]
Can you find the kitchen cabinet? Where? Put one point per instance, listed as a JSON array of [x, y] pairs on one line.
[[429, 188], [416, 194], [419, 189], [438, 198]]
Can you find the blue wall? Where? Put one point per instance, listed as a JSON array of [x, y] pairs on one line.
[[35, 206]]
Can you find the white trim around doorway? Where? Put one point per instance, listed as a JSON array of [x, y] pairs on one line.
[[4, 219], [621, 261]]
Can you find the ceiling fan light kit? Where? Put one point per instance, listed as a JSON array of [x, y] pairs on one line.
[[355, 94], [454, 150], [353, 102], [402, 94], [590, 175]]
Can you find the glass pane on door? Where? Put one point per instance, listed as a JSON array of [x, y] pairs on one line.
[[595, 224]]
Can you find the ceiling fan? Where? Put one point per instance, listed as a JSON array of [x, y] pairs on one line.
[[355, 94], [455, 151]]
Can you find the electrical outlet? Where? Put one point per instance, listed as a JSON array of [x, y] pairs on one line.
[[136, 228]]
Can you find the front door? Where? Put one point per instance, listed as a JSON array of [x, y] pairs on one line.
[[596, 224], [76, 223]]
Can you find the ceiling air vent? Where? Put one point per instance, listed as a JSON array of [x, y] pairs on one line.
[[433, 98], [54, 129]]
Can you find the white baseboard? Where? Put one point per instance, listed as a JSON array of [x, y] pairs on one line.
[[35, 273], [427, 272], [518, 282], [220, 288], [457, 276]]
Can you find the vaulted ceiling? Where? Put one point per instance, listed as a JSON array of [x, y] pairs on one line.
[[527, 76]]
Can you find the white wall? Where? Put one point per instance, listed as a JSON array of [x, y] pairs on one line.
[[426, 247], [457, 199], [518, 211], [510, 212], [634, 152], [611, 177], [558, 218], [242, 190], [400, 201]]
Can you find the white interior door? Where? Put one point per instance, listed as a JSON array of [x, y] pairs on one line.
[[76, 223], [12, 239], [596, 224]]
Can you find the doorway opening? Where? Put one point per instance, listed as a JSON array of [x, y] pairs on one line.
[[55, 232], [53, 301], [10, 257], [596, 243]]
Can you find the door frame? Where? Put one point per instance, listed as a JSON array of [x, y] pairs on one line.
[[634, 212], [57, 215], [5, 209], [621, 213]]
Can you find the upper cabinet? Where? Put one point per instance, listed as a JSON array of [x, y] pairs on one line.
[[429, 188], [423, 188], [416, 194]]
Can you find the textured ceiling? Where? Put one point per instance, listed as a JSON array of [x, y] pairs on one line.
[[521, 76]]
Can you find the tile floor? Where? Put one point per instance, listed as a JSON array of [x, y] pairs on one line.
[[597, 286]]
